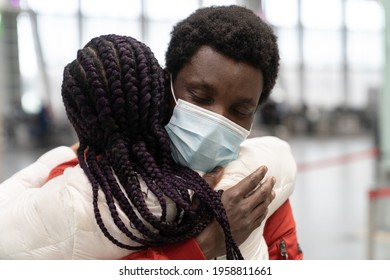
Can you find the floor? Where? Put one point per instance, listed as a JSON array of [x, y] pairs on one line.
[[331, 196], [330, 201]]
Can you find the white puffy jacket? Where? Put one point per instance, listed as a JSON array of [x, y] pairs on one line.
[[55, 220]]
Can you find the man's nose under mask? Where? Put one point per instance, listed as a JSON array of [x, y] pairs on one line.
[[202, 139]]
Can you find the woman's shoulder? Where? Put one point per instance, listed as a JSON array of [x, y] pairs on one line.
[[270, 151], [266, 150], [265, 142]]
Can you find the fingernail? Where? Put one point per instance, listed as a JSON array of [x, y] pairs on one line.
[[273, 180]]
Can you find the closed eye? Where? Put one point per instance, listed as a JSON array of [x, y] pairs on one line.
[[200, 98], [243, 111]]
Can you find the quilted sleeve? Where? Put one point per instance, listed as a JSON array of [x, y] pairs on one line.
[[36, 220], [34, 175]]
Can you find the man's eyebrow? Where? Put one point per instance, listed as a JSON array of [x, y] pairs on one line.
[[246, 100], [202, 85]]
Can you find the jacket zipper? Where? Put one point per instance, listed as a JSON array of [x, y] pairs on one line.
[[283, 250]]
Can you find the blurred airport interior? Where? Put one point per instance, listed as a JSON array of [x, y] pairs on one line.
[[329, 102]]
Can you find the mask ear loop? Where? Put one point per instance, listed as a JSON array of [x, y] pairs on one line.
[[173, 93], [250, 129]]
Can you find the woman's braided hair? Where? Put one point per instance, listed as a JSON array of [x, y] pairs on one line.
[[116, 97]]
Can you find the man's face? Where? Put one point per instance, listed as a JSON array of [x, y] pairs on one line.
[[219, 84]]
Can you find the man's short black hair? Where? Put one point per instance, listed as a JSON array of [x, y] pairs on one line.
[[234, 31]]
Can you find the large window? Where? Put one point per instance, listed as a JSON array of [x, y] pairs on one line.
[[331, 54], [332, 51], [65, 26]]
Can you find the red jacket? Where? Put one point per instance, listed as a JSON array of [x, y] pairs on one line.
[[279, 234]]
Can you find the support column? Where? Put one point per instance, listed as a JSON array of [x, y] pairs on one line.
[[384, 102], [10, 72], [10, 86]]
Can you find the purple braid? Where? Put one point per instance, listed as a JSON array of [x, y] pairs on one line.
[[116, 97]]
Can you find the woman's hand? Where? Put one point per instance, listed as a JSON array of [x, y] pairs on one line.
[[246, 207]]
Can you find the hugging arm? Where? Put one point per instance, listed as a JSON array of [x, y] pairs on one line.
[[246, 207], [245, 213]]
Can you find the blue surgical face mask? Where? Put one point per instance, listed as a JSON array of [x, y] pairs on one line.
[[202, 139]]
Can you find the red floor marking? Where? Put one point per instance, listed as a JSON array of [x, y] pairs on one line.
[[346, 158]]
